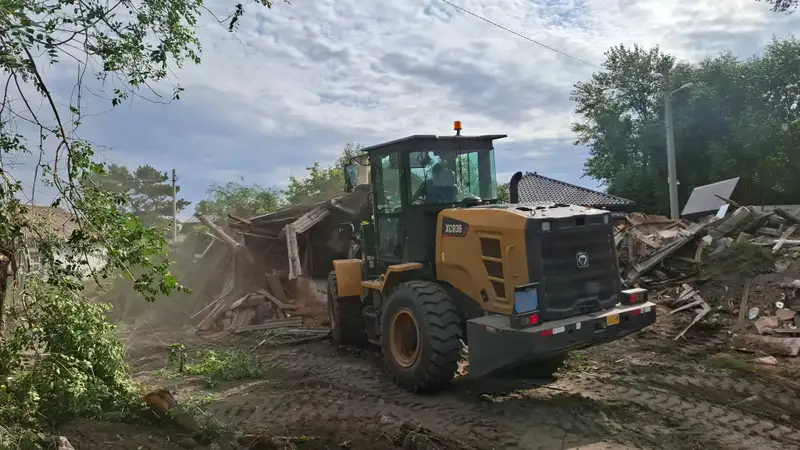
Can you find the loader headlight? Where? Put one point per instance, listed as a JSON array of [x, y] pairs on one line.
[[526, 306], [526, 299], [546, 226]]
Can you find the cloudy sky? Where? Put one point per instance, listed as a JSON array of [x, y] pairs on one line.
[[299, 81]]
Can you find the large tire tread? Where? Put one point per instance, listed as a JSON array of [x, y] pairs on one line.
[[442, 326], [347, 323]]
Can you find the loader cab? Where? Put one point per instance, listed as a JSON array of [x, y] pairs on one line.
[[416, 177]]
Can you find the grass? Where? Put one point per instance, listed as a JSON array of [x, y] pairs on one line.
[[733, 362], [216, 366]]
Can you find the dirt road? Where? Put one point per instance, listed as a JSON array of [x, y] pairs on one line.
[[644, 392]]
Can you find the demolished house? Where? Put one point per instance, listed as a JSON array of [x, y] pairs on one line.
[[273, 267], [736, 269]]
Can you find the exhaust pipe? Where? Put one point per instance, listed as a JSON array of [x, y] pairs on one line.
[[513, 187]]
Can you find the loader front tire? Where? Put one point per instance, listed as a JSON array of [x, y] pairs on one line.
[[347, 323], [421, 336]]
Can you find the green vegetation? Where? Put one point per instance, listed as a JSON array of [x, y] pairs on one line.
[[59, 357], [736, 120], [733, 362], [216, 366]]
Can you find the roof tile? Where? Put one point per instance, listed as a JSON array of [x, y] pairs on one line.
[[534, 188]]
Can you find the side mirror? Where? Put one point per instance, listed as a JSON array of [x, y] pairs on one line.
[[350, 177]]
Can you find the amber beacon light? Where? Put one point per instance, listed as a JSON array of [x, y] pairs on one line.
[[457, 127]]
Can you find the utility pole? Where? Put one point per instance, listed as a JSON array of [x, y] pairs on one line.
[[671, 164], [174, 208]]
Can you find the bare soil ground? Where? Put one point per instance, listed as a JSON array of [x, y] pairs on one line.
[[643, 392]]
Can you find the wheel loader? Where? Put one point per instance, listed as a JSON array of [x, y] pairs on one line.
[[441, 264]]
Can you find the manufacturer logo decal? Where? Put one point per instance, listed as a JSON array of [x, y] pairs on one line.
[[582, 259], [453, 227]]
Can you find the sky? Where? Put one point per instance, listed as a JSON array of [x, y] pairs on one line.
[[300, 80]]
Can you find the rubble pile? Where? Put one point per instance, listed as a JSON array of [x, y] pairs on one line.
[[736, 269], [263, 309]]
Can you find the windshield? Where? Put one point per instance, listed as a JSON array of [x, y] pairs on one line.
[[450, 176]]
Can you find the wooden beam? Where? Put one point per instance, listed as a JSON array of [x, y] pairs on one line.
[[223, 236]]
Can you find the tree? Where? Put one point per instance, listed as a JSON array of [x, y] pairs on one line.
[[782, 5], [738, 120], [321, 180], [238, 198], [59, 357], [503, 194], [149, 192]]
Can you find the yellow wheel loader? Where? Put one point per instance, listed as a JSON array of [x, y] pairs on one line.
[[440, 262]]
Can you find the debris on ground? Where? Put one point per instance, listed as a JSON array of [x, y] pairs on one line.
[[263, 309], [737, 269]]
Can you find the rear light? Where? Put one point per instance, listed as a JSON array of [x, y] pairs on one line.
[[526, 320], [635, 296], [546, 226]]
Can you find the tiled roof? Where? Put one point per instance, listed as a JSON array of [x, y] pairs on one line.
[[535, 188]]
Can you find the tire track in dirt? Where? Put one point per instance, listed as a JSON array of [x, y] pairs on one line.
[[748, 395], [553, 415], [688, 406], [731, 427]]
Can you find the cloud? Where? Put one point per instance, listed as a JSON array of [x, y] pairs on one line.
[[299, 81]]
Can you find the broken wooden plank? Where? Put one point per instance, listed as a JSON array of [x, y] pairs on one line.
[[275, 285], [641, 237], [730, 224], [295, 267], [242, 318], [208, 322], [743, 304], [782, 240], [207, 307], [223, 236], [768, 231], [728, 201], [309, 219], [705, 310], [772, 242], [279, 304], [767, 344], [239, 302], [248, 301], [787, 216], [240, 219], [660, 255], [272, 324]]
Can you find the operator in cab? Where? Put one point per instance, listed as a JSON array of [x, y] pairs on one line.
[[440, 187]]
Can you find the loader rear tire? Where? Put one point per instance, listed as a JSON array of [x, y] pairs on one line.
[[347, 322], [421, 336]]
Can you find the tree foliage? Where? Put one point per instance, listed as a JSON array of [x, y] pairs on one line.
[[59, 357], [740, 119], [148, 191], [240, 199], [321, 180], [782, 5]]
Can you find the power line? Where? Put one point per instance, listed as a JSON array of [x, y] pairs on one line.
[[518, 34]]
